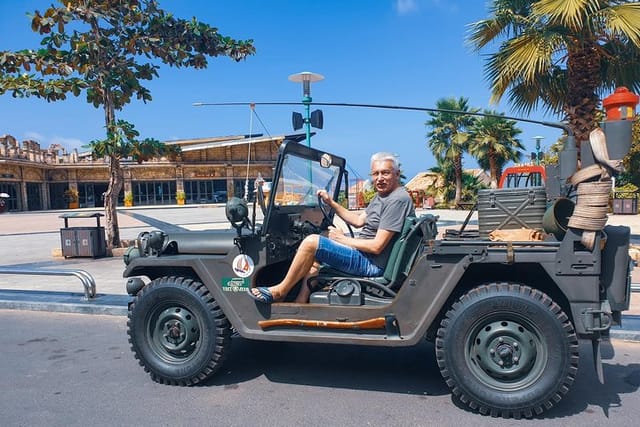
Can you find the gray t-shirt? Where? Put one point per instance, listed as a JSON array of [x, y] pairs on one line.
[[387, 213]]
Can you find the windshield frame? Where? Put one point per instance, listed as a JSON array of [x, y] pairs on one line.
[[292, 148]]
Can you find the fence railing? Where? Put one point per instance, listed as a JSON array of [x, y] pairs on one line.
[[87, 280]]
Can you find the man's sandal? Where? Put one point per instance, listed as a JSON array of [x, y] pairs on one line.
[[265, 295]]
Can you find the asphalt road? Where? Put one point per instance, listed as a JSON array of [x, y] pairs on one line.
[[77, 370]]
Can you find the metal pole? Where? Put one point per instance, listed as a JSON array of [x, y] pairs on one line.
[[306, 78], [307, 117], [538, 139]]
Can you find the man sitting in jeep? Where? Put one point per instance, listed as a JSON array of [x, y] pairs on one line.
[[365, 255]]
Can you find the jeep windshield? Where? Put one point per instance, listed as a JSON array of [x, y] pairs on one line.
[[301, 179], [301, 172]]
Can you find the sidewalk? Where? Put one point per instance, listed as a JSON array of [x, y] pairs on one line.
[[30, 240]]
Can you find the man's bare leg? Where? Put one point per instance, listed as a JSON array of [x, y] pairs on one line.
[[299, 268], [305, 292]]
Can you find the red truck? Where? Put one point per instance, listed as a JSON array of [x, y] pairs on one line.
[[523, 176]]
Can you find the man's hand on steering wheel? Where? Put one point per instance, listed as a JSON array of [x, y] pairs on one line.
[[324, 196], [324, 203]]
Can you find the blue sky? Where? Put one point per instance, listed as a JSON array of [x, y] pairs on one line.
[[398, 52]]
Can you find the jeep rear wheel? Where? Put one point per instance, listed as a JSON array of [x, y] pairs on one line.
[[507, 350], [177, 331]]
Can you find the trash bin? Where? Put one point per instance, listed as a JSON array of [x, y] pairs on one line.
[[625, 202], [82, 241]]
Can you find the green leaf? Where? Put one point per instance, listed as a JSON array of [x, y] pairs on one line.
[[114, 46]]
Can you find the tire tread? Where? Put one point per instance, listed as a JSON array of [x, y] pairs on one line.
[[222, 330], [525, 291]]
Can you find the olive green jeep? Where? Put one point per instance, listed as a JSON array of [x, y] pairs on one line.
[[505, 317]]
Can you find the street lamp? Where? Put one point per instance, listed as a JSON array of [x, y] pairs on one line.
[[538, 139], [307, 78]]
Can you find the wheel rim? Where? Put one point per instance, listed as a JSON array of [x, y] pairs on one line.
[[506, 354], [174, 333]]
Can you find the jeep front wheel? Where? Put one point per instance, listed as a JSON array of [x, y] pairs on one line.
[[177, 331], [507, 350]]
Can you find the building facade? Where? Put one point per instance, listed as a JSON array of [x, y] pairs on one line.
[[208, 170]]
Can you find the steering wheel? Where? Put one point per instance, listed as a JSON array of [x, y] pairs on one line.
[[326, 210]]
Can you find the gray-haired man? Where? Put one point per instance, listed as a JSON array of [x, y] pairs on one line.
[[366, 255]]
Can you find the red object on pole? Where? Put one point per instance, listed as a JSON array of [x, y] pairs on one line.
[[621, 105]]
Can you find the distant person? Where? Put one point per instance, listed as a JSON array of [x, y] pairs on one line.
[[366, 255], [3, 203]]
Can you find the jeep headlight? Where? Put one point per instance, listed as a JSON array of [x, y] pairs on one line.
[[151, 243]]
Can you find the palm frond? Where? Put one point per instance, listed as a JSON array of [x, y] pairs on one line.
[[509, 18], [623, 21], [525, 97], [569, 13], [619, 66]]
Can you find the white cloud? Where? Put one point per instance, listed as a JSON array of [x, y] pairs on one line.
[[447, 6], [34, 136], [67, 143], [405, 7]]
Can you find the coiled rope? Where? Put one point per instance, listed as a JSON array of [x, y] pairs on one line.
[[593, 188]]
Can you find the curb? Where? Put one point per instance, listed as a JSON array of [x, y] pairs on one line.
[[625, 335], [629, 330], [64, 302]]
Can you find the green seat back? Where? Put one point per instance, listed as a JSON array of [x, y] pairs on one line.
[[405, 247], [403, 252]]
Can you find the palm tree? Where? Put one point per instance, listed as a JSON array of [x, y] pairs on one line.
[[561, 55], [494, 143], [470, 183], [449, 135], [471, 186], [444, 168]]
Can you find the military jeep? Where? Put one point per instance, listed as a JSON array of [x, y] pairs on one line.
[[505, 317]]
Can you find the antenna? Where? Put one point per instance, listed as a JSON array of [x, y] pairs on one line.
[[557, 125]]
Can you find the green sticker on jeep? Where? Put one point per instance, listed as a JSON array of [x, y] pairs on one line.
[[235, 284]]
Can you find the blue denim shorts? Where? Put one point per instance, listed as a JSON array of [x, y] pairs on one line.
[[346, 259]]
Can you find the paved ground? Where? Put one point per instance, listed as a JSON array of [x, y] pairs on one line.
[[31, 240]]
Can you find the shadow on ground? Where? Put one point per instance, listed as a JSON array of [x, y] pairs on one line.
[[407, 370], [410, 370]]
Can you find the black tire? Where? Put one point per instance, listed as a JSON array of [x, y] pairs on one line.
[[507, 350], [177, 331]]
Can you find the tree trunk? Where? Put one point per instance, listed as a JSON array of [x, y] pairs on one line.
[[116, 181], [493, 169], [583, 75], [457, 166]]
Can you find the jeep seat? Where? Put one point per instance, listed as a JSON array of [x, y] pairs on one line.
[[403, 254]]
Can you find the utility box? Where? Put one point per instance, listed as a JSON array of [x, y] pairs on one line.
[[82, 241], [510, 208], [625, 203]]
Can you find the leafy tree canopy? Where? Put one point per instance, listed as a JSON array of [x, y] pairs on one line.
[[631, 172], [108, 48], [561, 55], [450, 133], [123, 141], [494, 142]]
